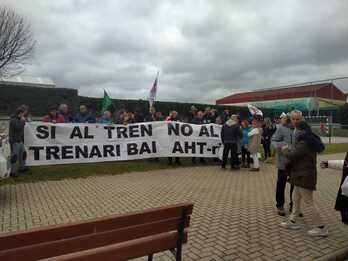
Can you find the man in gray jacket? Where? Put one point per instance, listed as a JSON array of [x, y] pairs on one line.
[[284, 135]]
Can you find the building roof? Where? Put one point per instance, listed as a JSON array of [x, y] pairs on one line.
[[25, 80], [322, 90]]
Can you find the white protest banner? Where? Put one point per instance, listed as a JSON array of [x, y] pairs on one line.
[[5, 157], [65, 143]]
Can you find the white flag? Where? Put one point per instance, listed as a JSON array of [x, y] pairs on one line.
[[254, 111], [153, 91]]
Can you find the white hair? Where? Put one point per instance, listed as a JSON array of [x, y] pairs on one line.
[[296, 112]]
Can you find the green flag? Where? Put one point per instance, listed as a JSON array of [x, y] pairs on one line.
[[107, 102]]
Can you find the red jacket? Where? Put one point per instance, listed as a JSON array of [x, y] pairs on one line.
[[58, 119]]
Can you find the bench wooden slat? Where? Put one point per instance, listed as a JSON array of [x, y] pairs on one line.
[[64, 231], [126, 250], [88, 241]]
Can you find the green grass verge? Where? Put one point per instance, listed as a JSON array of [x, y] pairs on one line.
[[335, 148], [59, 172]]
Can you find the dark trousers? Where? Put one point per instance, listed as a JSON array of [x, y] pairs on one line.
[[170, 160], [267, 149], [230, 148], [245, 155], [201, 160], [280, 192]]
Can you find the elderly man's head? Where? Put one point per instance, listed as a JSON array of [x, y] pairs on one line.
[[107, 115], [234, 117], [200, 115], [295, 117], [63, 108], [83, 109]]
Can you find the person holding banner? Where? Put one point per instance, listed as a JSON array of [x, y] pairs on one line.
[[16, 135], [53, 116], [198, 119], [84, 116], [231, 133], [173, 116], [64, 111], [106, 118]]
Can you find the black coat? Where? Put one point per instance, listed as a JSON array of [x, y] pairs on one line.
[[16, 130], [231, 132], [196, 120], [341, 200], [267, 134], [303, 161]]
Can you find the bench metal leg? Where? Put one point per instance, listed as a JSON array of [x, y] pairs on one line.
[[150, 257], [181, 236]]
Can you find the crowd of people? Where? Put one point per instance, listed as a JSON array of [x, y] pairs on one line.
[[292, 139], [245, 144]]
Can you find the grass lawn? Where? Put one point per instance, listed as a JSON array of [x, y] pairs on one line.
[[335, 148], [58, 172]]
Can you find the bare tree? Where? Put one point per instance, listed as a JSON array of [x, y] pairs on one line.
[[16, 42]]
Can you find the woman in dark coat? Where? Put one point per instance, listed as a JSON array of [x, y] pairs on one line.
[[302, 160], [341, 200]]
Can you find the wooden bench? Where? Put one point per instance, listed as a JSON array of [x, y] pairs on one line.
[[117, 237]]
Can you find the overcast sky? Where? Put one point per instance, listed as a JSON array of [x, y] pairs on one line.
[[204, 50]]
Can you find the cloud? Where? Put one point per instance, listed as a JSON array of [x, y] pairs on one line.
[[204, 49]]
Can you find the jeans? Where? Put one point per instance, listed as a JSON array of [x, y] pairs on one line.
[[230, 147], [245, 154], [17, 154], [267, 149], [280, 191], [170, 160], [256, 163], [302, 195]]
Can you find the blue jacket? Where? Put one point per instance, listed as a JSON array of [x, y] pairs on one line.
[[68, 117], [245, 135], [84, 118]]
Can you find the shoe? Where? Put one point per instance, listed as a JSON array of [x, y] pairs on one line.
[[254, 169], [223, 167], [281, 211], [243, 166], [13, 175], [290, 225], [235, 168], [318, 232]]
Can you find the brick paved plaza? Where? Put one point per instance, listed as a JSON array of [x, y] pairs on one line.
[[233, 219]]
